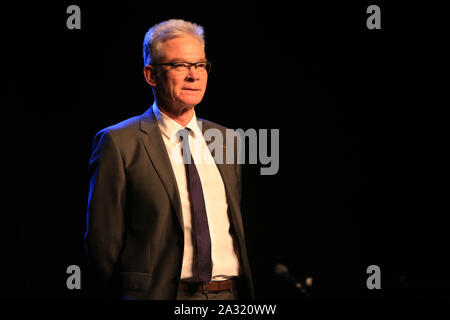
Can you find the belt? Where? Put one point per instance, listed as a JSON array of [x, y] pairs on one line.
[[212, 286]]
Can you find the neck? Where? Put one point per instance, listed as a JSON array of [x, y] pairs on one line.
[[181, 115]]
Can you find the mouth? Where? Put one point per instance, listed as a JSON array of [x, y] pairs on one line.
[[191, 89]]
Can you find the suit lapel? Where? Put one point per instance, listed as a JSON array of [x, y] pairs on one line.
[[157, 153]]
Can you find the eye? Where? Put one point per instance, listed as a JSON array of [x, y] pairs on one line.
[[201, 65], [180, 65]]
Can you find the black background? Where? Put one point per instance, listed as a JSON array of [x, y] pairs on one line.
[[361, 119]]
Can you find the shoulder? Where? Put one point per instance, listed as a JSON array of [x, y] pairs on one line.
[[124, 130], [125, 127]]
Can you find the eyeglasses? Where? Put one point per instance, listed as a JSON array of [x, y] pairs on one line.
[[185, 66]]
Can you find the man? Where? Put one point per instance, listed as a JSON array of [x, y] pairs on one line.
[[160, 228]]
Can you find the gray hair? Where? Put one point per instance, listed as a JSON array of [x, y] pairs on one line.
[[167, 30]]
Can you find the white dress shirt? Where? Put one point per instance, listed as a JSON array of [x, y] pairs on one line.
[[225, 261]]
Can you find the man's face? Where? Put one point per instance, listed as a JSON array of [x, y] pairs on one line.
[[179, 89]]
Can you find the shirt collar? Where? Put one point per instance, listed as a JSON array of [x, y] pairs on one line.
[[170, 127]]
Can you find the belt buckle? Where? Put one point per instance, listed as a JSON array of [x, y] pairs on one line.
[[231, 286], [204, 290]]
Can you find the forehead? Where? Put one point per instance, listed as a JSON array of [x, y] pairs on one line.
[[183, 48]]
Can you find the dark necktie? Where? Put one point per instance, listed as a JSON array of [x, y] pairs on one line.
[[199, 217]]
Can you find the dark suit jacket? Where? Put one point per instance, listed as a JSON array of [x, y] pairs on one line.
[[134, 232]]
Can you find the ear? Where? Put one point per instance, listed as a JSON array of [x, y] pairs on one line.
[[150, 75]]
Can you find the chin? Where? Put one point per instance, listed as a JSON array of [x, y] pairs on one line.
[[191, 102], [191, 98]]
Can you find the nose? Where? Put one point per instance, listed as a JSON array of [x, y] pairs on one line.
[[193, 74]]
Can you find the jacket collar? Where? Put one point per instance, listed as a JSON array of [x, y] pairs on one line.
[[156, 151]]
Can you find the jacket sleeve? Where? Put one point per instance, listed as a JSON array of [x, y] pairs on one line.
[[105, 213]]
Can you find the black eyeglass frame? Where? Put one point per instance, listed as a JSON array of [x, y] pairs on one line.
[[188, 65]]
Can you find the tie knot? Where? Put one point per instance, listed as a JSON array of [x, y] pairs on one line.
[[183, 138], [183, 134]]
